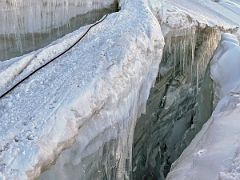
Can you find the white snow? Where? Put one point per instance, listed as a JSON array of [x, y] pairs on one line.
[[180, 14], [214, 153], [227, 55], [95, 91]]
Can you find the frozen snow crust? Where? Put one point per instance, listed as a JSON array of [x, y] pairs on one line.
[[91, 95], [214, 152]]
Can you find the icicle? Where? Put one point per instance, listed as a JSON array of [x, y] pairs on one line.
[[197, 77], [174, 59], [184, 53], [192, 52]]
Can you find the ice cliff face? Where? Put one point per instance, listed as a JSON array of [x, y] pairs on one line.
[[176, 110], [85, 124], [214, 152], [182, 99], [28, 25]]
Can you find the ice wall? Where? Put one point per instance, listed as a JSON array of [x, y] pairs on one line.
[[176, 109], [182, 99], [214, 152], [28, 25]]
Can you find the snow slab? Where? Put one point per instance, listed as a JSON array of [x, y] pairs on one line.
[[215, 152], [180, 14], [116, 62]]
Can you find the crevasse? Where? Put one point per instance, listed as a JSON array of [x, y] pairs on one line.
[[218, 140], [175, 109]]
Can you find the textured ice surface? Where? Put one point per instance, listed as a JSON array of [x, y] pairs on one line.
[[227, 55], [214, 152], [92, 94], [17, 16], [176, 109], [181, 101], [32, 24]]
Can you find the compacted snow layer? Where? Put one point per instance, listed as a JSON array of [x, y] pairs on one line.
[[91, 95], [214, 152], [223, 13]]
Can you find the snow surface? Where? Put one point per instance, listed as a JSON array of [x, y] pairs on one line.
[[20, 33], [179, 14], [95, 92], [215, 151], [102, 83]]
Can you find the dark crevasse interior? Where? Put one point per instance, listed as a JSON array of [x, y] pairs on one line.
[[179, 104], [17, 44]]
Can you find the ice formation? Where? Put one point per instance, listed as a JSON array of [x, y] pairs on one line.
[[182, 100], [79, 117], [32, 24], [102, 90], [214, 152]]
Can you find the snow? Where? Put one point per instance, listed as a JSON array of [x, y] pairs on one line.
[[13, 70], [92, 95], [227, 55], [95, 91], [214, 152], [180, 14]]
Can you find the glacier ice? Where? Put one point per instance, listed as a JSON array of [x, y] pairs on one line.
[[30, 24], [175, 110], [182, 100], [214, 152], [84, 123], [98, 98], [227, 55]]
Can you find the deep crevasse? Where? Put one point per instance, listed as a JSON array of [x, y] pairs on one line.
[[214, 152]]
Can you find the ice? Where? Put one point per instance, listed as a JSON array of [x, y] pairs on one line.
[[214, 152], [77, 116], [168, 127], [227, 55], [92, 96], [31, 24]]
